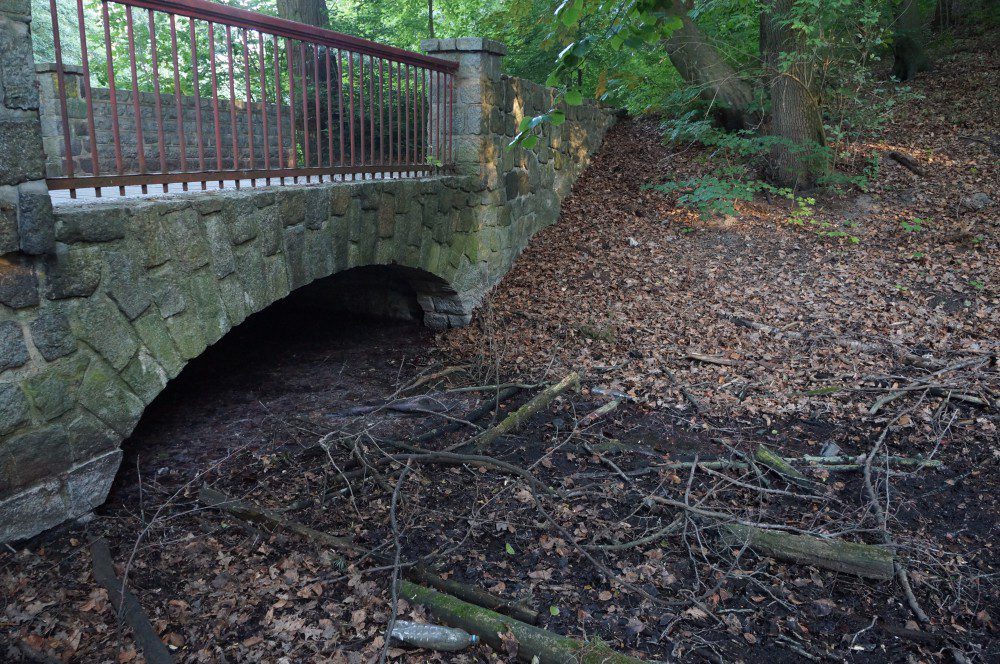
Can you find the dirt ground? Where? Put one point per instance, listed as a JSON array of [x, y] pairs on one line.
[[715, 336]]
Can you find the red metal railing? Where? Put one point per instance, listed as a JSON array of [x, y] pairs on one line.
[[295, 101]]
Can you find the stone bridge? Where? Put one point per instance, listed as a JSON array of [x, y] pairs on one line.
[[102, 302]]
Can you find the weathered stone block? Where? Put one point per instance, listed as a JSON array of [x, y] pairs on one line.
[[21, 157], [127, 283], [18, 282], [13, 351], [148, 223], [186, 331], [165, 285], [107, 396], [100, 324], [233, 299], [51, 335], [220, 246], [31, 457], [292, 206], [88, 484], [207, 306], [88, 436], [73, 271], [13, 407], [53, 392], [35, 221], [8, 220], [188, 241], [145, 376], [30, 512], [86, 225], [157, 340]]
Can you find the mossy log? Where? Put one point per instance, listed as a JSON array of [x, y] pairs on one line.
[[514, 420], [779, 465], [864, 560], [533, 642]]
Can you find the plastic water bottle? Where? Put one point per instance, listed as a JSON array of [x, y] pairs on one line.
[[433, 637]]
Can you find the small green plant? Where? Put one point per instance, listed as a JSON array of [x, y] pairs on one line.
[[978, 285], [915, 226]]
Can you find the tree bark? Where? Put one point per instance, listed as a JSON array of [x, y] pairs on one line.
[[907, 45], [702, 66], [864, 560], [310, 12], [799, 158], [430, 18]]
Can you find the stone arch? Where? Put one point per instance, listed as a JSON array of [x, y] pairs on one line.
[[134, 292]]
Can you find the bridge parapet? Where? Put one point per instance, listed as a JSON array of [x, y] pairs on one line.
[[132, 289]]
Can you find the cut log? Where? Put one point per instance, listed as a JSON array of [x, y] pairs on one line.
[[864, 560], [274, 521], [532, 642], [127, 605], [514, 420], [906, 161]]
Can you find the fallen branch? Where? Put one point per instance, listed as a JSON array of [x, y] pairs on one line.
[[419, 573], [776, 463], [864, 560], [514, 420], [907, 162], [711, 359], [473, 415], [532, 642], [127, 606]]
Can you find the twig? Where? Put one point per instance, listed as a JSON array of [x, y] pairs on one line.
[[395, 562]]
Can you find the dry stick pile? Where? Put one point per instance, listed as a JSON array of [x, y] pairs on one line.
[[721, 509]]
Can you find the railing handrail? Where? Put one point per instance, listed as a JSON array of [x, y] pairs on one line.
[[242, 18]]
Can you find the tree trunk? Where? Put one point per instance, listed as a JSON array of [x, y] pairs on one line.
[[310, 12], [430, 18], [800, 157], [907, 45], [701, 65]]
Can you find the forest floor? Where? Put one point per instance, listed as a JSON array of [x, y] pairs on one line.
[[712, 336]]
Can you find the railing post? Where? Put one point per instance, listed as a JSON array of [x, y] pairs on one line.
[[27, 224], [475, 132]]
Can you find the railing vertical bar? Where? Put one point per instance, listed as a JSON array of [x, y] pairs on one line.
[[381, 114], [340, 101], [406, 120], [319, 133], [232, 103], [451, 119], [263, 105], [277, 107], [329, 111], [371, 110], [61, 81], [95, 168], [293, 157], [350, 97], [389, 117], [215, 99], [140, 147], [399, 116], [439, 89], [363, 147], [197, 100], [156, 93], [423, 121], [305, 107], [177, 99], [249, 103], [112, 93]]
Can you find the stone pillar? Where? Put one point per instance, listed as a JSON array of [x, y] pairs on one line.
[[27, 225], [476, 145]]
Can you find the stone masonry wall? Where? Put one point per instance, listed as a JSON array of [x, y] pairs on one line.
[[133, 289]]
